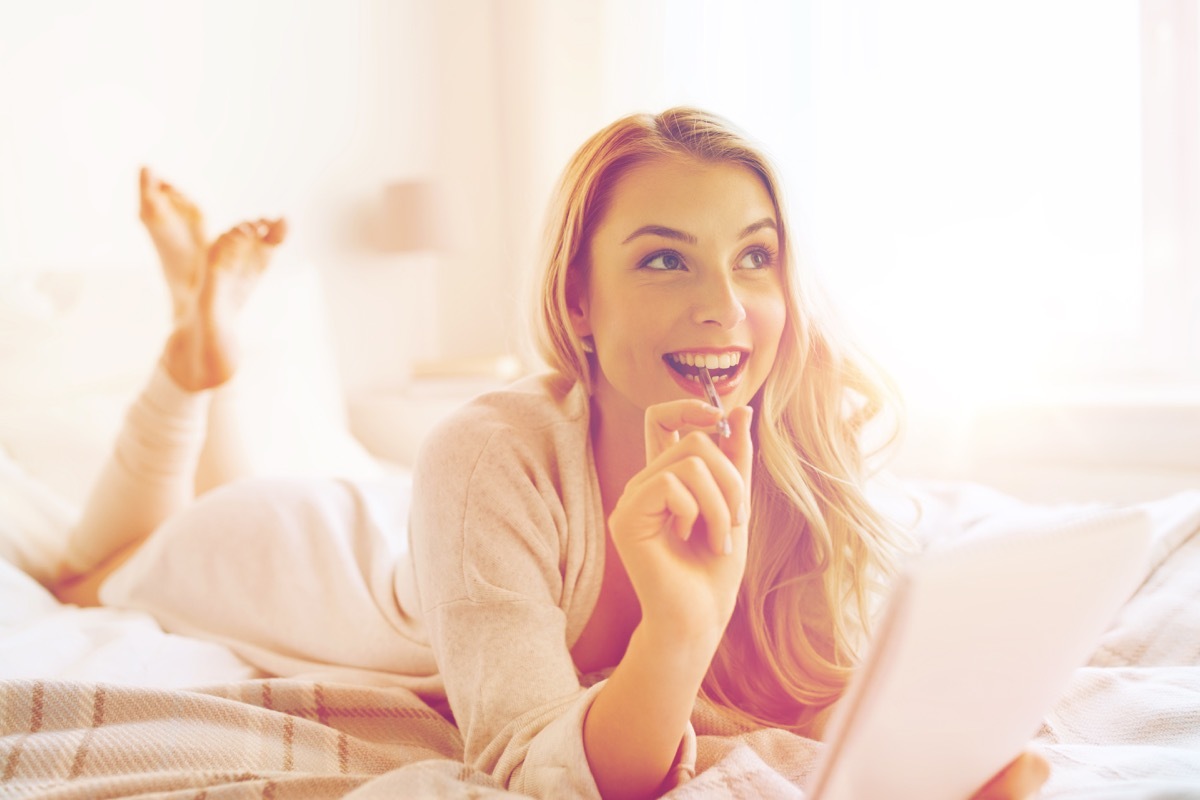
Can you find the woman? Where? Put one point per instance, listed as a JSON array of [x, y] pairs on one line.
[[588, 520], [588, 554]]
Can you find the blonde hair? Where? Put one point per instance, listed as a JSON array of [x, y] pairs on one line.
[[818, 550]]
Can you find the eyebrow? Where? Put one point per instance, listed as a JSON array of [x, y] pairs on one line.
[[765, 222], [660, 230], [672, 233]]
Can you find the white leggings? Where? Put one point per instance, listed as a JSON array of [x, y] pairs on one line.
[[150, 476], [295, 574]]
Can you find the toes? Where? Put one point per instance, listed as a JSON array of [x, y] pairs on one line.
[[148, 194], [260, 228], [159, 197], [267, 231], [195, 223], [275, 231], [244, 243], [186, 209], [230, 245], [177, 198]]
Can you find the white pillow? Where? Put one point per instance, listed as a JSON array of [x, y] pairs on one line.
[[34, 524], [76, 347]]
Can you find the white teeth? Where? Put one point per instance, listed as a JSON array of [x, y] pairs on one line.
[[709, 360]]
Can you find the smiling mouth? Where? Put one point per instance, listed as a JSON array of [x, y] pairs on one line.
[[723, 367]]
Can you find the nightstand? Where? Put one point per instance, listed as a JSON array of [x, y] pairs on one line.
[[392, 423]]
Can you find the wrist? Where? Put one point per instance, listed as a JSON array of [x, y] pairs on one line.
[[681, 648]]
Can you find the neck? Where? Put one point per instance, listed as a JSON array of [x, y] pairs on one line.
[[618, 443]]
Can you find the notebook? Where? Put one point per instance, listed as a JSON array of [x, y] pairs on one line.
[[976, 642]]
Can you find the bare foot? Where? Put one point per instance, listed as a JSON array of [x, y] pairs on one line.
[[201, 353], [176, 227]]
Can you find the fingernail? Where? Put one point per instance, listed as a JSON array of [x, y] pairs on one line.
[[740, 517], [728, 544]]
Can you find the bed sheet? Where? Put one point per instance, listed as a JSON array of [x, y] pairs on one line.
[[103, 703], [42, 638]]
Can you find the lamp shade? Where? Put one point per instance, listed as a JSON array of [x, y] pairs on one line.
[[408, 219]]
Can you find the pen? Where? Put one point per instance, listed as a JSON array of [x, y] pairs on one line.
[[714, 398]]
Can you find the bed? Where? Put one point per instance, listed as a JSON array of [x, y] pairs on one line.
[[106, 703]]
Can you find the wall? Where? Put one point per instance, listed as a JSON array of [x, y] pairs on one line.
[[1111, 447], [308, 109], [272, 107], [521, 84]]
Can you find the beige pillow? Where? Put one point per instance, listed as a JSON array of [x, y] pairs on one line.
[[77, 346]]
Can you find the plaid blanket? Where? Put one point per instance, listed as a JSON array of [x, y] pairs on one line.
[[268, 738]]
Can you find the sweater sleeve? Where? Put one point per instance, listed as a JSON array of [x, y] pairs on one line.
[[489, 538]]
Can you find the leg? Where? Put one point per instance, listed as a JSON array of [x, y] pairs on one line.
[[152, 472], [176, 227]]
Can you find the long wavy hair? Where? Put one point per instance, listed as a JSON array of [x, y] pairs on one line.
[[819, 553]]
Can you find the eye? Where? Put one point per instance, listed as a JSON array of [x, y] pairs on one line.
[[758, 258], [666, 261]]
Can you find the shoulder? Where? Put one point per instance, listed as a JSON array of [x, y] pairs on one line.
[[543, 409], [532, 403], [530, 425], [503, 492]]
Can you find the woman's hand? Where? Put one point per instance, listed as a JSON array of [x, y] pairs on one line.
[[680, 525], [1022, 778]]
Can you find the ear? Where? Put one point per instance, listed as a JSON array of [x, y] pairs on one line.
[[577, 304]]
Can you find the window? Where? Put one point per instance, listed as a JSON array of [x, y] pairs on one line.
[[998, 195]]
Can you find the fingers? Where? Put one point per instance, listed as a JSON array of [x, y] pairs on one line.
[[717, 476], [674, 499], [678, 504], [664, 422], [739, 446], [711, 499]]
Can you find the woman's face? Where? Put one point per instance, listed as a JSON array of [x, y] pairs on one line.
[[684, 271]]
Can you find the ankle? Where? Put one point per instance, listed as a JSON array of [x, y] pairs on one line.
[[197, 359]]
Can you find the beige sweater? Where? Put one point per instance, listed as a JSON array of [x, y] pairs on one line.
[[508, 544], [507, 534], [503, 569]]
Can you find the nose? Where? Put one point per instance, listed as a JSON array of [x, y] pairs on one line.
[[718, 302]]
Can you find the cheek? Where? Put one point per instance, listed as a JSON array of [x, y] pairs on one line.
[[631, 318], [610, 324], [770, 317]]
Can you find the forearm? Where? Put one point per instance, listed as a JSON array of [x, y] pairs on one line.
[[633, 729]]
